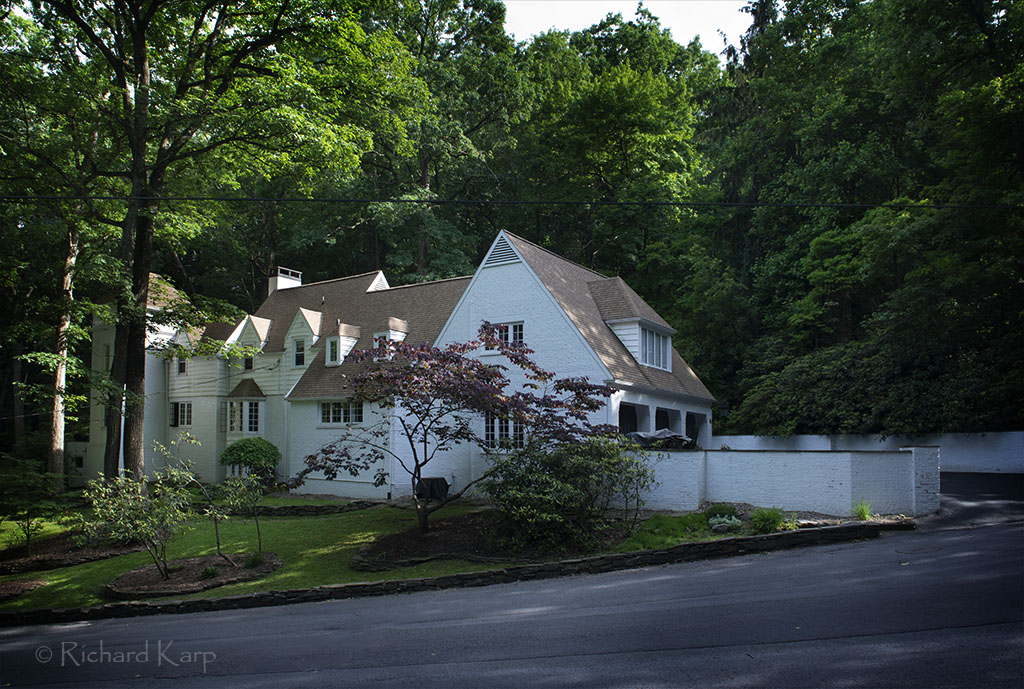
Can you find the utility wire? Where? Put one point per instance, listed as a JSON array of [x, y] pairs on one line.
[[522, 202]]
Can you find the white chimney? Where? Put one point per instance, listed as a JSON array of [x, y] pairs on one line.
[[283, 278]]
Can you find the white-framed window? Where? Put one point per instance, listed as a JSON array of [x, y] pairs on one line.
[[300, 353], [655, 349], [333, 351], [342, 412], [500, 431], [182, 367], [181, 414], [509, 333], [244, 416]]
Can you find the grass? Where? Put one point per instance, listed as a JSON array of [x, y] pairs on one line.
[[315, 550]]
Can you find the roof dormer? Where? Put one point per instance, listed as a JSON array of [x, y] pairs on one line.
[[339, 343]]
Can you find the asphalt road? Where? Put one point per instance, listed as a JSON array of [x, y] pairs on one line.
[[940, 607]]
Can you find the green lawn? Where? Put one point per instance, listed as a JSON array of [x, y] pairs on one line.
[[315, 551]]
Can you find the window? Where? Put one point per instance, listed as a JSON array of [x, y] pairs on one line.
[[333, 351], [509, 333], [247, 363], [253, 418], [500, 431], [655, 349], [300, 352], [182, 367], [181, 414], [341, 412], [244, 416]]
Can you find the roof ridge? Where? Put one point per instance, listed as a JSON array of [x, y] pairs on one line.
[[420, 284], [323, 282], [560, 258]]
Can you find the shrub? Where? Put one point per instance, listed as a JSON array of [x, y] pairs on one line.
[[559, 495], [209, 573], [258, 455], [766, 519], [863, 511], [720, 510], [28, 496], [731, 523], [126, 510], [254, 560]]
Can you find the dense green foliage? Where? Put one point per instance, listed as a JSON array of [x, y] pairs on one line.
[[833, 220], [256, 454], [559, 496]]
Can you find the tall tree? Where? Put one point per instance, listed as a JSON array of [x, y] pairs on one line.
[[217, 88]]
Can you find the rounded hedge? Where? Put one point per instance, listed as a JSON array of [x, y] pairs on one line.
[[258, 455]]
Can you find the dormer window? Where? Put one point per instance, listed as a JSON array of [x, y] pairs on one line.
[[182, 367], [655, 349], [247, 363], [333, 351], [300, 352]]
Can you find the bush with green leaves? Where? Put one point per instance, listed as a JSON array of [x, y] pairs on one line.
[[244, 495], [558, 495], [258, 455], [29, 496], [767, 519], [128, 510], [863, 510], [731, 523]]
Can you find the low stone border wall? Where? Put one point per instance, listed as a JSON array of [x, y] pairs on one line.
[[687, 552]]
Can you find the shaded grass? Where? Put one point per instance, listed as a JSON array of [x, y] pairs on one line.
[[315, 550]]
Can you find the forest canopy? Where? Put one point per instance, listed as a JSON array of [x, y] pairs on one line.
[[830, 214]]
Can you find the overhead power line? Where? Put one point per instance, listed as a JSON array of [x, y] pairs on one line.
[[522, 202]]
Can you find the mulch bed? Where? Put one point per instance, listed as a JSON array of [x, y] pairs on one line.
[[13, 589], [474, 536], [57, 551], [186, 576]]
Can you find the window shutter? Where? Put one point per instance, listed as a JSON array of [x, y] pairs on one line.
[[222, 417], [174, 414]]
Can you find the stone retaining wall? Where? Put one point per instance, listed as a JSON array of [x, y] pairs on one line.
[[686, 552]]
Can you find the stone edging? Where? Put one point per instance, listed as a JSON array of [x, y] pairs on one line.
[[687, 552]]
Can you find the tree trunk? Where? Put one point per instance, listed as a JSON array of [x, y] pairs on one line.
[[55, 459], [135, 361]]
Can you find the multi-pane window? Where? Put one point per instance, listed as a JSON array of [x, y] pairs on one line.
[[182, 366], [655, 349], [333, 350], [300, 352], [253, 418], [502, 431], [508, 333], [181, 414], [247, 363], [341, 412], [244, 417]]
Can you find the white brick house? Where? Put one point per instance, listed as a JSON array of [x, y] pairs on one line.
[[578, 322]]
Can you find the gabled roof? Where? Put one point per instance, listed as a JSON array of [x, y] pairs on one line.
[[312, 319], [330, 298], [421, 310], [247, 388], [587, 297]]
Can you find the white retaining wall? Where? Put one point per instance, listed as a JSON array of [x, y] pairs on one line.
[[993, 453], [832, 482]]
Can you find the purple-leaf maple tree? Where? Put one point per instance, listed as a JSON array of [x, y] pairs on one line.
[[436, 397]]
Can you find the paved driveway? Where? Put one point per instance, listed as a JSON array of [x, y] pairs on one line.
[[972, 500]]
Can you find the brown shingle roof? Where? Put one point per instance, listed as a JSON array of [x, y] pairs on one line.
[[331, 298], [424, 307], [247, 387], [586, 297]]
